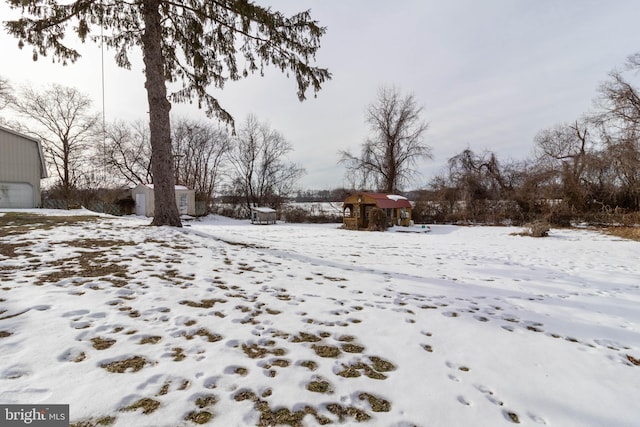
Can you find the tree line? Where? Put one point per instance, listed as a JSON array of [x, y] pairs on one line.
[[207, 157], [587, 169]]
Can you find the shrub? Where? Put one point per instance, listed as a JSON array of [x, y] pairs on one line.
[[377, 220], [536, 229]]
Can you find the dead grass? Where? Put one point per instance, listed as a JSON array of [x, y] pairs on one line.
[[326, 351], [203, 332], [132, 364], [320, 386], [631, 233], [205, 303], [154, 339], [102, 421], [16, 223], [281, 416], [199, 417], [147, 405], [102, 343], [378, 404], [305, 337]]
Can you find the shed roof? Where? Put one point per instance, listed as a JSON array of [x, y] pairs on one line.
[[262, 209], [177, 187]]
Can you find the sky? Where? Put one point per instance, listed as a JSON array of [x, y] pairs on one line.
[[490, 75], [461, 326]]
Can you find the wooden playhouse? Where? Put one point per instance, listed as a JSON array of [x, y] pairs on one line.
[[356, 209]]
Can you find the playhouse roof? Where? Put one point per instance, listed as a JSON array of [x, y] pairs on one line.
[[383, 201]]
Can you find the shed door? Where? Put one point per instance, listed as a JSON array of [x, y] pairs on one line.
[[16, 195], [141, 204], [182, 207]]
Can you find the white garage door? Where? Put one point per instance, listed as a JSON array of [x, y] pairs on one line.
[[16, 195]]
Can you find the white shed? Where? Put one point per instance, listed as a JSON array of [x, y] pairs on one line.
[[22, 167], [263, 215], [143, 196]]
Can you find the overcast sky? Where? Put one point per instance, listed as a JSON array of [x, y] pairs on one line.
[[490, 74]]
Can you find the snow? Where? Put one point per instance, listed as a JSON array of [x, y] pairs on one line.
[[482, 327], [395, 197], [263, 209]]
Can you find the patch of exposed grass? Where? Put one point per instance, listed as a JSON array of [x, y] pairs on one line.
[[203, 332], [15, 223], [512, 416], [349, 411], [254, 351], [352, 348], [132, 364], [8, 250], [326, 351], [199, 417], [154, 339], [381, 365], [205, 303], [85, 264], [239, 370], [147, 405], [5, 334], [164, 389], [281, 416], [358, 368], [309, 364], [206, 400], [178, 354], [99, 243], [102, 343], [320, 386], [102, 421], [282, 363], [378, 404], [305, 337]]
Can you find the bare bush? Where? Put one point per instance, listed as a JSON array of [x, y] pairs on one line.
[[535, 229], [377, 220]]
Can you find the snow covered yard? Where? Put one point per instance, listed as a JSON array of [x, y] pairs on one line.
[[230, 324]]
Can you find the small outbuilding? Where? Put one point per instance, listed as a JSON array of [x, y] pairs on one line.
[[143, 195], [263, 215], [356, 209], [22, 166]]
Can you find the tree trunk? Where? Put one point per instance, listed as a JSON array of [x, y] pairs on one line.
[[165, 207]]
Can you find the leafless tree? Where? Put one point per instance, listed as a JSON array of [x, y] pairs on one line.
[[61, 117], [565, 149], [127, 152], [261, 172], [389, 156], [199, 152], [5, 92], [618, 118]]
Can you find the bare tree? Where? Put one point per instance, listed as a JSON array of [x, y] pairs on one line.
[[127, 152], [5, 92], [618, 119], [199, 150], [565, 149], [61, 117], [261, 173], [389, 156]]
